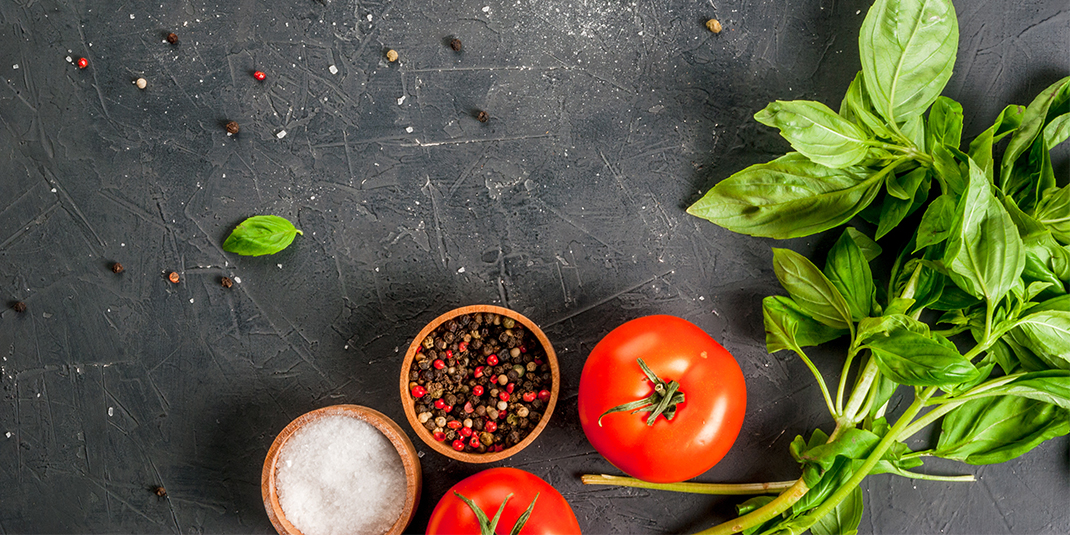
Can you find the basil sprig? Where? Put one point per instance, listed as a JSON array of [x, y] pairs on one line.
[[988, 251], [261, 235]]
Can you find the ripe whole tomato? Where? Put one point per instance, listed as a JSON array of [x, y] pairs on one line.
[[551, 514], [705, 423]]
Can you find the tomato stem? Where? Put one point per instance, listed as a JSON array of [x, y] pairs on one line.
[[487, 526], [722, 489], [664, 399]]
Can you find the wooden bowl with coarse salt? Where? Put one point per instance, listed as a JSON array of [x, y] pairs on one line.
[[480, 399], [347, 451]]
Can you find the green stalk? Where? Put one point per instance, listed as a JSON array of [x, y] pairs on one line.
[[865, 382], [820, 380], [762, 514], [723, 489]]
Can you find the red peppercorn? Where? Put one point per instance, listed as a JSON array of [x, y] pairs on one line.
[[449, 354], [440, 403], [479, 372], [510, 387], [468, 408], [453, 424], [439, 436], [463, 346], [418, 391], [528, 396], [498, 447], [474, 442], [448, 408], [458, 445], [504, 396], [477, 390], [492, 360], [490, 427], [523, 349], [259, 75], [538, 361], [465, 432], [544, 395], [439, 364], [83, 63]]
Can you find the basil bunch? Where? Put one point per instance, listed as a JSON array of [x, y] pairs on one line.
[[975, 315]]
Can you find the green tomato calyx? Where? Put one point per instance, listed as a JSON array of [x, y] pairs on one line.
[[662, 402]]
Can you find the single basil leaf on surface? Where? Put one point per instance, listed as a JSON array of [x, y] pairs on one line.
[[1048, 386], [810, 289], [907, 50], [996, 429], [261, 235], [856, 108], [945, 124], [1047, 335], [1006, 123], [843, 519], [789, 197], [1057, 131], [1032, 125], [936, 222], [816, 132], [869, 248], [848, 270], [909, 358], [787, 326], [984, 251]]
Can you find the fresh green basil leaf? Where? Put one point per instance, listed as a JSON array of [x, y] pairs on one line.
[[1003, 356], [953, 298], [1057, 131], [948, 171], [816, 132], [1007, 122], [848, 270], [1028, 179], [841, 470], [936, 222], [869, 248], [261, 235], [945, 124], [854, 443], [810, 289], [882, 326], [1047, 335], [789, 197], [1053, 211], [1032, 125], [996, 429], [903, 186], [909, 358], [1051, 386], [787, 326], [885, 387], [914, 130], [984, 251], [907, 50], [893, 211], [843, 519], [756, 503], [856, 108]]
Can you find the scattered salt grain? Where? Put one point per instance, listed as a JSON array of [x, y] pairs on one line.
[[281, 134], [333, 69], [111, 411], [408, 129], [15, 66], [340, 475]]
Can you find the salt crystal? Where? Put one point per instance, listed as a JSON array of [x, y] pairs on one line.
[[237, 280], [408, 129], [340, 475], [15, 66], [333, 69], [486, 9], [111, 411], [401, 100], [281, 134], [8, 434]]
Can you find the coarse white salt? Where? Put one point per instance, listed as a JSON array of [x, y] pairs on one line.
[[340, 475], [333, 69], [281, 134]]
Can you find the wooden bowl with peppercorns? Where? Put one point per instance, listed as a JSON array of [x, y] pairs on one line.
[[479, 383]]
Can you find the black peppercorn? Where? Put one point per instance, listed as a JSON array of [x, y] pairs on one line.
[[19, 306], [172, 38], [482, 116], [226, 282], [116, 268], [232, 127], [455, 44]]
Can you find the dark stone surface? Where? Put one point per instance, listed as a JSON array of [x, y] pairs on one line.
[[607, 119]]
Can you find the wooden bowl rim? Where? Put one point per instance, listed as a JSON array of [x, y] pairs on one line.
[[410, 460], [442, 447]]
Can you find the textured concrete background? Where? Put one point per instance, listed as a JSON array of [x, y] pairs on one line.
[[608, 118]]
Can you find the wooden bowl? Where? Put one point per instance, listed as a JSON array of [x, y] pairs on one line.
[[409, 460], [443, 447]]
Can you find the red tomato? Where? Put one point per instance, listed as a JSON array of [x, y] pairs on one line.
[[488, 489], [705, 424]]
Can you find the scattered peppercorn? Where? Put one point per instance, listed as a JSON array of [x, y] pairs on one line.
[[83, 63], [455, 44], [482, 116], [116, 268], [141, 83], [19, 306], [232, 127], [173, 277], [713, 25], [172, 38], [391, 55], [159, 491], [226, 282], [259, 75]]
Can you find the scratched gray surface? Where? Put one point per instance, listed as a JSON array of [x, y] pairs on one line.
[[607, 119]]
